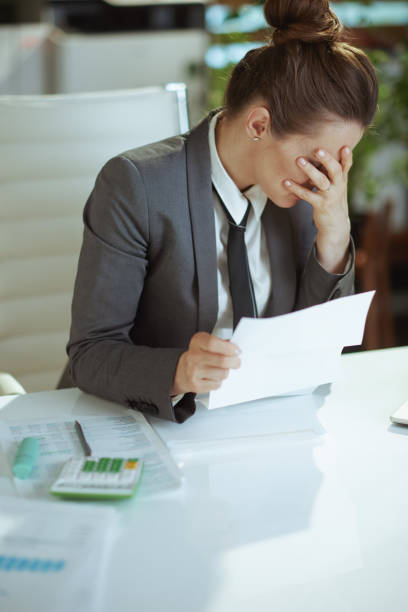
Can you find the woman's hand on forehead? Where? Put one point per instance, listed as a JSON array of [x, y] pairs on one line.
[[329, 201]]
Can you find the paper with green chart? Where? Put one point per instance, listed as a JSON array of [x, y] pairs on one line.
[[124, 433]]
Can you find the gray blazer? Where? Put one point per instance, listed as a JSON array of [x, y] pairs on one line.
[[147, 272]]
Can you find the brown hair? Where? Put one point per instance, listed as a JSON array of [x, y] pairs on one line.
[[307, 71]]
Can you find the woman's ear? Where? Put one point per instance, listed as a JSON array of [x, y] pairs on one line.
[[258, 122]]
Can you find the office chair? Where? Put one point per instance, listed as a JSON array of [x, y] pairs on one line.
[[52, 148]]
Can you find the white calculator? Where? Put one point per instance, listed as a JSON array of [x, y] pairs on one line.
[[99, 477]]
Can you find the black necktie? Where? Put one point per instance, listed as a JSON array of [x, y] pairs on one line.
[[241, 288]]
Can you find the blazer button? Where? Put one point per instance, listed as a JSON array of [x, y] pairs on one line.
[[148, 408], [143, 406]]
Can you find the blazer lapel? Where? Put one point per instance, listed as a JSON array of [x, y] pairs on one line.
[[279, 237], [201, 204], [276, 223]]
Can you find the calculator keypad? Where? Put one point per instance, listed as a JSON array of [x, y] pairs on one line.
[[99, 473]]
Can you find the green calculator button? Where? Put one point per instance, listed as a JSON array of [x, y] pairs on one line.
[[89, 466], [103, 464], [116, 465]]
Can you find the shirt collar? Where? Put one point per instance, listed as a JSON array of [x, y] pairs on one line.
[[231, 196]]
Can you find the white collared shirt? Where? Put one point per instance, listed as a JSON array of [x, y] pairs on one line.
[[255, 240]]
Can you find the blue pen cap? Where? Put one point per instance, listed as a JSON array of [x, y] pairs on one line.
[[26, 457]]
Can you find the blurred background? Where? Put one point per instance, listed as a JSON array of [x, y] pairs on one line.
[[71, 46]]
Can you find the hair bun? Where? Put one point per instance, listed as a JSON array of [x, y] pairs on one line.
[[309, 21]]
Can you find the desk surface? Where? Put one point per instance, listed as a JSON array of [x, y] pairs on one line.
[[280, 523]]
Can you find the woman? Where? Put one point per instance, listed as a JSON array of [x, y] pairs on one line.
[[161, 275]]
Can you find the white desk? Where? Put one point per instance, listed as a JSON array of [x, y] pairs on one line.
[[319, 524]]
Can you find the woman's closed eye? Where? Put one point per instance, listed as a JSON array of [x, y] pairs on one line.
[[319, 167], [309, 184]]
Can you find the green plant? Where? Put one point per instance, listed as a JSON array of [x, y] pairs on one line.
[[390, 126]]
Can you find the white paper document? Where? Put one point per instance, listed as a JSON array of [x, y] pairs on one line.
[[126, 433], [53, 556], [295, 351]]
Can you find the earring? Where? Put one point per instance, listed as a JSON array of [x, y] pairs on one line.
[[256, 138]]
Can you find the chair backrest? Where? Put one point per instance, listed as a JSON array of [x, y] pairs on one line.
[[51, 149]]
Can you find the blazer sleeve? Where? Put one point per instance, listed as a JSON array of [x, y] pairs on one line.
[[112, 267], [316, 285]]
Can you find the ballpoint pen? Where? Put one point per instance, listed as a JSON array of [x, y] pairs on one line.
[[83, 440]]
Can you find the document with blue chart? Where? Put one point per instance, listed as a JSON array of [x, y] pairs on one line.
[[53, 556]]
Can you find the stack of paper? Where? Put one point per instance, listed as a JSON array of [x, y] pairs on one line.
[[262, 422]]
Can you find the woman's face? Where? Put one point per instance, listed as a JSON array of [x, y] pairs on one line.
[[275, 159]]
